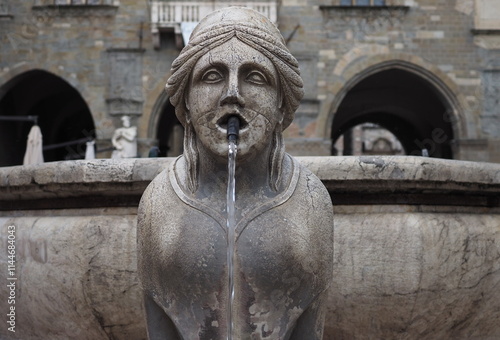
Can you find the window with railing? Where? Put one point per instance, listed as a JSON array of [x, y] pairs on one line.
[[171, 12], [180, 17], [4, 9], [348, 5], [83, 2], [486, 16], [362, 3], [76, 8]]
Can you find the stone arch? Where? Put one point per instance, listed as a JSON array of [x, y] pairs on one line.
[[24, 66], [156, 113], [358, 71], [165, 127], [63, 115]]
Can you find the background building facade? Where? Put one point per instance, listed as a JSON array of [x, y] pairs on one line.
[[427, 71]]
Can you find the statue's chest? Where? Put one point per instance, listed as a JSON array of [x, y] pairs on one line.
[[270, 251], [196, 242]]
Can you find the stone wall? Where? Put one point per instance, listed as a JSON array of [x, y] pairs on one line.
[[416, 247], [344, 45], [452, 44], [104, 51]]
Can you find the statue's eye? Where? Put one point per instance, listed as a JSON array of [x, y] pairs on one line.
[[212, 76], [257, 77]]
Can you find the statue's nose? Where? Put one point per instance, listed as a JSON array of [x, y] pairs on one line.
[[232, 95]]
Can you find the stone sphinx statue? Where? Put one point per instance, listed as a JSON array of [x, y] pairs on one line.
[[236, 64]]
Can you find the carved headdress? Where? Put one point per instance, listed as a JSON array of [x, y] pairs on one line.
[[251, 28]]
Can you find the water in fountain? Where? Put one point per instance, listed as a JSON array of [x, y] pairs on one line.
[[232, 135]]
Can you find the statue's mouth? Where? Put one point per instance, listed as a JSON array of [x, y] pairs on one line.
[[222, 122]]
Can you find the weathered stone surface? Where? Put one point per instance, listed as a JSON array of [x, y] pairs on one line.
[[415, 271], [262, 271], [75, 276], [67, 179], [390, 173], [397, 172], [415, 275]]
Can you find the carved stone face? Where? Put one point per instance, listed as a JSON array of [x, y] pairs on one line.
[[234, 79], [126, 121]]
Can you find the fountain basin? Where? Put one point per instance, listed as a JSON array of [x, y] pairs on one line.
[[417, 247]]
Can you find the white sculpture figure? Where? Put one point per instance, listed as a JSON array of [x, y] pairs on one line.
[[34, 147], [124, 140], [90, 150]]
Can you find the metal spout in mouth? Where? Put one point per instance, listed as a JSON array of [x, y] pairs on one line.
[[233, 128]]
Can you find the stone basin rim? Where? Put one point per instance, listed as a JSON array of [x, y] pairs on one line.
[[121, 182]]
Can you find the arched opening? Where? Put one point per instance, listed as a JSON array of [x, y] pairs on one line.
[[62, 114], [169, 132], [401, 102], [368, 139]]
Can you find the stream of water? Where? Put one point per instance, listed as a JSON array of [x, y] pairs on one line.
[[231, 233]]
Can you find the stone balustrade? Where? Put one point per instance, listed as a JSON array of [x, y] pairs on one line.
[[174, 12]]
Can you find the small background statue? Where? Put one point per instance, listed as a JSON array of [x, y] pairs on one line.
[[124, 140], [235, 65]]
